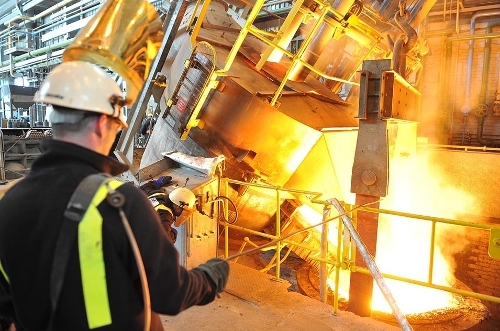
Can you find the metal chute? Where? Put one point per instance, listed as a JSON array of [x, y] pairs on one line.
[[123, 36]]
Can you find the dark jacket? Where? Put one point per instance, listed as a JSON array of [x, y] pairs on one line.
[[147, 126], [31, 217], [164, 206]]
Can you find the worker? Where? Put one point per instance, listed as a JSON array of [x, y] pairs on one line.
[[169, 206], [147, 126], [102, 285]]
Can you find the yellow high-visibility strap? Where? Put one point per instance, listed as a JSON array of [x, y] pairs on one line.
[[159, 206], [157, 194], [163, 207], [4, 273], [92, 266]]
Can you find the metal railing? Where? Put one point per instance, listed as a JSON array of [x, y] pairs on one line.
[[345, 250], [248, 28], [432, 243]]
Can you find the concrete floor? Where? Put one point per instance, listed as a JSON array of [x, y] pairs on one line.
[[256, 301]]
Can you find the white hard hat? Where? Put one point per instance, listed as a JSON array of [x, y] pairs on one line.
[[83, 86], [183, 197]]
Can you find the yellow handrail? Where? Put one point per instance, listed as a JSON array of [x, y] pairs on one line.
[[345, 256]]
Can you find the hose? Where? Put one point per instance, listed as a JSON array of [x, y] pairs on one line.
[[117, 200]]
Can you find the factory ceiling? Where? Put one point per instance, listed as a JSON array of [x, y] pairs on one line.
[[18, 15]]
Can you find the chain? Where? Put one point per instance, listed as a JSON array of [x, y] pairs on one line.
[[402, 8]]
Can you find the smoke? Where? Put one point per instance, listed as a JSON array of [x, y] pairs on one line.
[[423, 186], [451, 240], [441, 197], [419, 184]]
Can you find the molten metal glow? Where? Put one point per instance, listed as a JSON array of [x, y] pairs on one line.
[[404, 244]]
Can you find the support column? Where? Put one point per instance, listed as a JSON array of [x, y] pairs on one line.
[[370, 175], [384, 97], [361, 285]]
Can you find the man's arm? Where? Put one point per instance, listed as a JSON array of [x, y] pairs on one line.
[[172, 287]]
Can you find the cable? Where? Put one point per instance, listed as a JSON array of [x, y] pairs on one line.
[[117, 200], [232, 212]]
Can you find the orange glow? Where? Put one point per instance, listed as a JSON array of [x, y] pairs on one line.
[[404, 244], [312, 217]]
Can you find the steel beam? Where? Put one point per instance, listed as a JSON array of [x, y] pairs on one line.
[[154, 84]]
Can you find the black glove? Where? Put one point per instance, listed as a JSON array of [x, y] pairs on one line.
[[162, 181], [218, 271]]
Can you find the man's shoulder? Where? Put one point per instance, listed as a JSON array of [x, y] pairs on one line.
[[6, 186]]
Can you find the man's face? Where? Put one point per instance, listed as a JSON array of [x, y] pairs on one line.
[[183, 216], [114, 127], [178, 210]]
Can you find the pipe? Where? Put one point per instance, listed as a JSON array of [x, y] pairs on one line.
[[475, 37], [323, 270], [11, 69], [484, 83], [466, 108], [496, 103], [42, 14], [486, 61], [40, 50], [370, 263], [56, 59], [34, 53], [419, 11], [466, 10], [286, 33], [317, 42], [92, 6], [464, 126], [446, 82]]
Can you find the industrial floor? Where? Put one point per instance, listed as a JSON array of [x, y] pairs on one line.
[[256, 301]]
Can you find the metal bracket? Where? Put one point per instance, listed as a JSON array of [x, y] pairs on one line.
[[173, 20], [398, 98], [494, 247], [370, 171]]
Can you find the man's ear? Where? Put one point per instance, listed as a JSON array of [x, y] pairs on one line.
[[100, 125]]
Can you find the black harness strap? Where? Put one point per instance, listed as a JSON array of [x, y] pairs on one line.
[[75, 210]]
